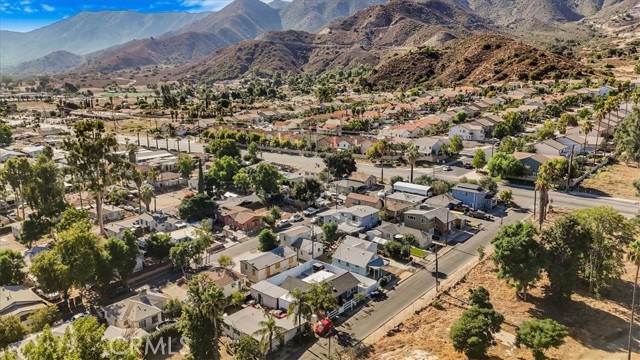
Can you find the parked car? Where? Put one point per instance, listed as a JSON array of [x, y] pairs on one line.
[[283, 223], [324, 327], [479, 214], [79, 316], [296, 218], [316, 220], [446, 168], [468, 166], [310, 211]]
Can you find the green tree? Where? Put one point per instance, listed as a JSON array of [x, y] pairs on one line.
[[5, 135], [269, 330], [91, 154], [224, 147], [488, 183], [274, 215], [11, 330], [627, 137], [518, 256], [78, 249], [456, 145], [634, 257], [248, 349], [201, 320], [548, 131], [265, 180], [45, 191], [241, 182], [42, 317], [252, 153], [324, 94], [185, 165], [122, 255], [395, 179], [71, 216], [637, 67], [46, 346], [610, 234], [503, 165], [180, 256], [307, 191], [472, 333], [299, 307], [146, 194], [226, 262], [540, 335], [321, 298], [340, 164], [158, 245], [86, 339], [220, 175], [506, 196], [480, 297], [17, 173], [11, 264], [330, 233], [479, 159], [267, 240], [173, 308], [238, 298], [197, 207], [566, 243], [412, 155], [52, 274]]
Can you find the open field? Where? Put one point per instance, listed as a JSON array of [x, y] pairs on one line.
[[614, 180], [597, 328]]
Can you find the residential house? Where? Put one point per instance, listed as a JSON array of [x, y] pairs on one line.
[[19, 301], [307, 249], [227, 280], [159, 222], [288, 236], [9, 154], [473, 196], [345, 187], [552, 147], [109, 213], [397, 203], [439, 221], [532, 162], [359, 257], [442, 200], [169, 179], [240, 218], [469, 131], [354, 199], [246, 322], [269, 263], [141, 311], [389, 231], [352, 220], [418, 219], [367, 180], [428, 146], [330, 127], [577, 142]]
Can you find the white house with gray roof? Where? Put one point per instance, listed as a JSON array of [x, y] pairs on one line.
[[269, 263], [359, 257]]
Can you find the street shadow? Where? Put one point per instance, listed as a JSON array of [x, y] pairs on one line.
[[591, 327]]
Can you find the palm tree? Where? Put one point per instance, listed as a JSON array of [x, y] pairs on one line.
[[268, 330], [145, 194], [321, 298], [587, 127], [612, 103], [384, 148], [543, 183], [137, 177], [634, 256], [299, 307], [412, 155], [152, 174]]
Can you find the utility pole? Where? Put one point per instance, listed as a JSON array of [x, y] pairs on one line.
[[438, 244], [535, 197], [569, 172], [446, 236]]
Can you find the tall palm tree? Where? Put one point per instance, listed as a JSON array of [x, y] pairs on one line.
[[543, 184], [137, 177], [299, 307], [412, 155], [587, 127], [634, 256], [321, 298], [384, 148], [612, 103], [145, 194], [268, 330]]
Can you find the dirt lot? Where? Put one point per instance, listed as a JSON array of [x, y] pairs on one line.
[[614, 180], [597, 328]]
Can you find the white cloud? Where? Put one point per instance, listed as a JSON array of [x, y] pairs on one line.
[[28, 9], [205, 5], [25, 2], [49, 8]]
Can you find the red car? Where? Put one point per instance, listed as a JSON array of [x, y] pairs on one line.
[[468, 166], [323, 327]]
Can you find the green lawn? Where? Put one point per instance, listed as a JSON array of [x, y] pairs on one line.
[[418, 252]]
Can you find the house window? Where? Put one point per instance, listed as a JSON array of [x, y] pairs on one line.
[[154, 319], [424, 221], [233, 285], [246, 266], [277, 265], [290, 260], [142, 323], [253, 272], [411, 217], [355, 202]]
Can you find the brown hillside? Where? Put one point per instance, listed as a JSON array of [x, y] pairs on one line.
[[476, 59]]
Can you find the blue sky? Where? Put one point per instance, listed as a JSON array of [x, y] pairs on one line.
[[26, 15]]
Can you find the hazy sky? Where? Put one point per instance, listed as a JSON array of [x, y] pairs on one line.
[[26, 15]]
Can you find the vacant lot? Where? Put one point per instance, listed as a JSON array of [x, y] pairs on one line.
[[614, 180], [597, 328]]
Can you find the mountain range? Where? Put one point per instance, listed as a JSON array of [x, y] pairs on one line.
[[301, 35]]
